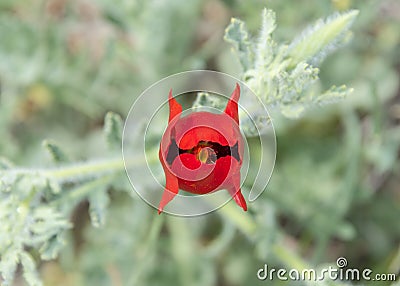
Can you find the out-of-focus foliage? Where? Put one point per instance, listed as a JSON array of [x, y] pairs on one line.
[[284, 75], [69, 218]]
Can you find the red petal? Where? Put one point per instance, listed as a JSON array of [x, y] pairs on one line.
[[170, 191], [234, 190], [239, 199], [196, 134], [175, 109], [171, 185], [232, 106], [205, 126], [187, 167], [190, 161], [216, 180]]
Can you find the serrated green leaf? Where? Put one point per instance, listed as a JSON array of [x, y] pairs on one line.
[[55, 151], [292, 111], [284, 76], [205, 99], [47, 222], [113, 130], [294, 84], [321, 37], [265, 45], [8, 265], [98, 202], [29, 270], [53, 186], [237, 35], [257, 125], [333, 94], [50, 249]]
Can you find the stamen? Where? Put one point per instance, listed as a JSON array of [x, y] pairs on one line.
[[207, 155]]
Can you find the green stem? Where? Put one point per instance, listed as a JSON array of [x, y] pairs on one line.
[[87, 169], [64, 173], [242, 220], [83, 190], [289, 258], [145, 258], [83, 170], [182, 248]]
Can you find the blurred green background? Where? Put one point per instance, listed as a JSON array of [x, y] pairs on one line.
[[335, 190]]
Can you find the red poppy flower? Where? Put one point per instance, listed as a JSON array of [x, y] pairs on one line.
[[202, 152]]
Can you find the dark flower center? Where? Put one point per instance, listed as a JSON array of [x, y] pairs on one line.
[[205, 151]]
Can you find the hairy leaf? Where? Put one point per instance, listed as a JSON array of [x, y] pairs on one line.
[[236, 34], [113, 130], [321, 38], [56, 152]]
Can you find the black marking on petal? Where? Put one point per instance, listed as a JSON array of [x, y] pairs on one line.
[[173, 152], [220, 151], [235, 151]]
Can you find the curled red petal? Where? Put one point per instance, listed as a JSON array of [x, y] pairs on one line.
[[231, 108], [187, 167], [175, 109], [235, 192], [238, 197], [197, 134], [170, 191], [213, 177], [204, 126]]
